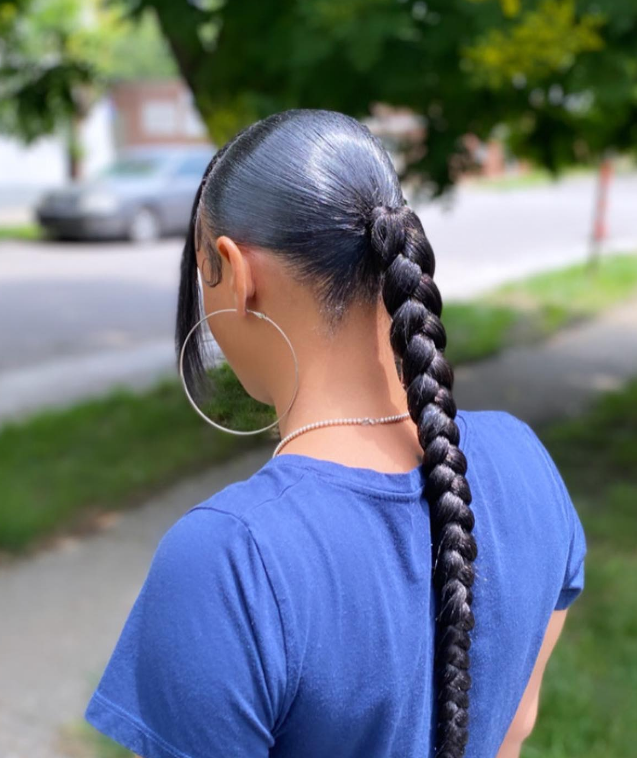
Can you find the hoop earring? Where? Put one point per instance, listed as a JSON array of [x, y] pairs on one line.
[[182, 353]]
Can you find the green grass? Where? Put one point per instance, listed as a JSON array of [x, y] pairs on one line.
[[61, 468], [532, 309], [588, 694], [531, 178], [536, 176], [81, 740], [573, 292], [20, 232], [477, 330]]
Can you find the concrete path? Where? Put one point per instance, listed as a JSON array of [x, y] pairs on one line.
[[62, 611], [65, 381], [559, 376]]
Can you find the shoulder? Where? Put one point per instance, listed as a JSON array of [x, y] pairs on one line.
[[498, 430], [223, 522], [205, 621], [500, 427], [242, 499], [506, 450], [491, 420]]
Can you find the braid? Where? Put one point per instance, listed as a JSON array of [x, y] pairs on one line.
[[307, 185], [418, 339]]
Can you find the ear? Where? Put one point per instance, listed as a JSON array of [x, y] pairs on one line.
[[241, 275]]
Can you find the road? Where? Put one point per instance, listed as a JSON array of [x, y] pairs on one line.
[[492, 236], [75, 319], [69, 299]]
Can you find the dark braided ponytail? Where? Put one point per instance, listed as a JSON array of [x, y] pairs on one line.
[[418, 338], [316, 188]]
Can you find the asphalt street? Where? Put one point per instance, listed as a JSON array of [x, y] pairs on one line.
[[78, 318]]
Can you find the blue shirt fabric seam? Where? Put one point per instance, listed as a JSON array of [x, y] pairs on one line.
[[377, 493], [284, 631], [144, 728], [205, 505], [565, 593]]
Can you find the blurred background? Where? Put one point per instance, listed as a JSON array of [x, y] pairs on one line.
[[513, 126]]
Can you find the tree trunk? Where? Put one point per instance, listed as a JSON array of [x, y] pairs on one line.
[[74, 149]]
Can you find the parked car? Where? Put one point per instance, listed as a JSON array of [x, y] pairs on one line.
[[145, 193]]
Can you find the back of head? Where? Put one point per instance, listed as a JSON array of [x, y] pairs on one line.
[[318, 189], [304, 183]]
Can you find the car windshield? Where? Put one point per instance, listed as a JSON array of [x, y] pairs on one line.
[[133, 167]]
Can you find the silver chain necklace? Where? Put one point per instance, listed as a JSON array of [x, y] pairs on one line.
[[364, 421]]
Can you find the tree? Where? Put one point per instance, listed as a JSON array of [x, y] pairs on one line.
[[465, 65], [570, 79], [58, 56]]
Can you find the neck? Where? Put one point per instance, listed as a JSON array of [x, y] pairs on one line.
[[350, 375]]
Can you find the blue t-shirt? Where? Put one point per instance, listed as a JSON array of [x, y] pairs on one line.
[[291, 614]]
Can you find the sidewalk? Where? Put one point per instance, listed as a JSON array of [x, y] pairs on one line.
[[62, 610], [556, 378]]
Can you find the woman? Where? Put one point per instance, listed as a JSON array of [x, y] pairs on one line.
[[375, 590]]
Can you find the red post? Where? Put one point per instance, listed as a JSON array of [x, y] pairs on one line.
[[600, 228]]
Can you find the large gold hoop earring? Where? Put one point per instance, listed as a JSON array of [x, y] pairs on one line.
[[182, 353]]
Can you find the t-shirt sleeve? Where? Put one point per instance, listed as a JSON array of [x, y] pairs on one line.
[[199, 670], [574, 577], [573, 582]]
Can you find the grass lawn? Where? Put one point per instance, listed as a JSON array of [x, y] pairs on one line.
[[587, 705], [535, 176], [20, 232], [81, 740], [478, 330], [529, 310], [531, 178], [61, 468]]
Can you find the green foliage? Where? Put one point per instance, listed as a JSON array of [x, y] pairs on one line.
[[543, 43], [606, 439], [573, 292], [57, 57], [346, 55], [568, 71], [139, 51], [477, 330], [560, 73]]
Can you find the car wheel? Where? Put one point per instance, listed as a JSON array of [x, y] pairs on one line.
[[144, 226]]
